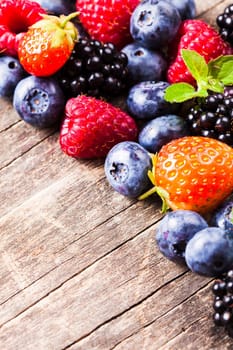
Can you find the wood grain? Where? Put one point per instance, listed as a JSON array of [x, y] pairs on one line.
[[79, 267]]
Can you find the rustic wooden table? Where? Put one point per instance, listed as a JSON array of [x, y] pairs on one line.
[[79, 267]]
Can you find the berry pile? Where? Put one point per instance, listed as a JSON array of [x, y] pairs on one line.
[[225, 24], [213, 116], [95, 69], [158, 56]]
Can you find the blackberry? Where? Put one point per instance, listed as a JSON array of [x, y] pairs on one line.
[[225, 24], [94, 69], [213, 116], [223, 302]]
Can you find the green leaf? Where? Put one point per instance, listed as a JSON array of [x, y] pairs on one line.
[[215, 85], [221, 69], [196, 64], [179, 92]]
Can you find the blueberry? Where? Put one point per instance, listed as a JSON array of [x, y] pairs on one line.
[[209, 252], [154, 23], [11, 73], [126, 166], [159, 131], [186, 8], [223, 216], [145, 100], [144, 64], [39, 101], [175, 230], [57, 7]]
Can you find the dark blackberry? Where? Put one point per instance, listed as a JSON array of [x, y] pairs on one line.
[[225, 24], [223, 302], [213, 116], [94, 69]]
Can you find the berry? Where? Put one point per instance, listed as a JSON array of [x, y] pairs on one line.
[[175, 230], [57, 7], [213, 116], [11, 73], [39, 101], [94, 69], [192, 173], [222, 290], [225, 24], [15, 19], [186, 8], [144, 64], [196, 35], [161, 130], [126, 167], [91, 127], [47, 45], [154, 23], [209, 252], [107, 20], [145, 100], [223, 216]]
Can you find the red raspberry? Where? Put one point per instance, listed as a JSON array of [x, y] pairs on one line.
[[107, 20], [196, 35], [91, 127], [15, 18]]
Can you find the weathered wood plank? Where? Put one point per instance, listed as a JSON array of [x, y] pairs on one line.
[[8, 116]]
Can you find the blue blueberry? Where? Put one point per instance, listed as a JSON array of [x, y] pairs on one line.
[[154, 23], [161, 130], [223, 216], [144, 64], [146, 101], [186, 8], [57, 7], [11, 73], [126, 166], [209, 252], [175, 230], [39, 101]]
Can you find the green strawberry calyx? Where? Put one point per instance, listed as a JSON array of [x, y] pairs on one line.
[[60, 27], [163, 194], [211, 76]]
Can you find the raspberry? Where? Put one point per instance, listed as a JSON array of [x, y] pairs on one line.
[[94, 69], [107, 20], [15, 18], [194, 35], [91, 127]]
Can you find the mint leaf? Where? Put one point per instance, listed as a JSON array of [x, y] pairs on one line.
[[221, 69], [215, 85], [179, 92], [196, 64]]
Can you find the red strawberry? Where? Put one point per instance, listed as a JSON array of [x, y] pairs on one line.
[[47, 45], [194, 35], [91, 127], [193, 173], [15, 18], [107, 20]]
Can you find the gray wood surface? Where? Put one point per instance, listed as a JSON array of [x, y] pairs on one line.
[[79, 267]]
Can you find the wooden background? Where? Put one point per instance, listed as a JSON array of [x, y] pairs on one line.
[[79, 267]]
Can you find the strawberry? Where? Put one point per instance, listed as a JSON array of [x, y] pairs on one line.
[[15, 18], [198, 36], [192, 173], [107, 20], [91, 127], [47, 45]]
